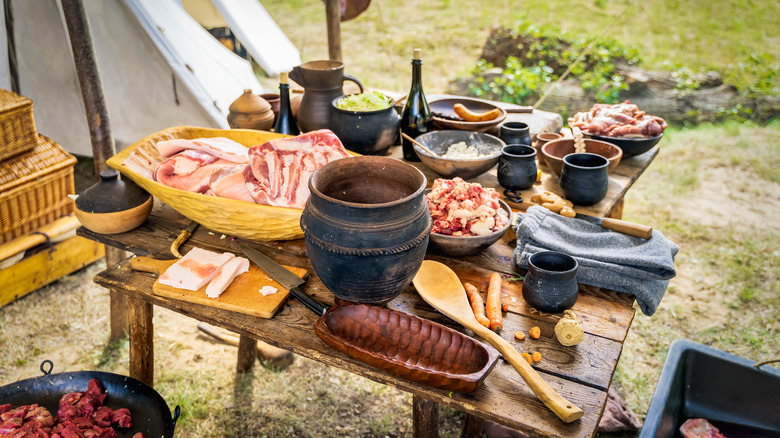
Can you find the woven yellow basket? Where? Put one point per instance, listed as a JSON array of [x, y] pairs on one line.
[[17, 124], [34, 188], [228, 216]]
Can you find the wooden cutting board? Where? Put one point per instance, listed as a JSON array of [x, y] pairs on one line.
[[241, 296]]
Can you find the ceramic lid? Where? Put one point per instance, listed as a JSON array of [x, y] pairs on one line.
[[111, 194], [249, 103]]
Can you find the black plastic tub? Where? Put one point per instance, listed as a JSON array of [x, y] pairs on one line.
[[698, 381]]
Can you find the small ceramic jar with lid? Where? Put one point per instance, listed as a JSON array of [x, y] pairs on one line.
[[250, 111], [112, 205]]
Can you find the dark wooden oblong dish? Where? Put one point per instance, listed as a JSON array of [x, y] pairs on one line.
[[407, 346]]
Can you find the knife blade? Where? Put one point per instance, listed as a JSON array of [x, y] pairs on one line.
[[287, 279], [621, 226]]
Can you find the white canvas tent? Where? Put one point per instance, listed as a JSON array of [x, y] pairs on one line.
[[159, 68]]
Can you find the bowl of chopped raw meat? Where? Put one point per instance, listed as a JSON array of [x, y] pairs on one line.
[[623, 124], [467, 218], [459, 153]]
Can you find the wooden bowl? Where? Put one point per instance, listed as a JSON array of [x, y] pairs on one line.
[[553, 152], [445, 117], [231, 217], [406, 346], [115, 222]]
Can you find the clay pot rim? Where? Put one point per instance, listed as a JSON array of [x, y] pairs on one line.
[[558, 254], [353, 112], [322, 64], [567, 160], [504, 150], [360, 205]]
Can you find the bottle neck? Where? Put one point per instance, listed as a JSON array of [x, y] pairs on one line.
[[284, 94], [416, 75]]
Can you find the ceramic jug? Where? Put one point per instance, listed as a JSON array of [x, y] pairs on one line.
[[322, 82]]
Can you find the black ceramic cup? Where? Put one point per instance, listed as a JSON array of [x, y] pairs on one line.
[[584, 178], [551, 284], [517, 167], [515, 133]]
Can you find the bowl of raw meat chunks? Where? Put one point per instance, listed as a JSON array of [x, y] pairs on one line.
[[467, 218], [622, 124], [239, 182]]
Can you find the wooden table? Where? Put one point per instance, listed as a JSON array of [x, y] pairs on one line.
[[581, 374]]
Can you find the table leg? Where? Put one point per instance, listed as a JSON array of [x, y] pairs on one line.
[[617, 210], [247, 351], [141, 340], [425, 416], [473, 427], [118, 312]]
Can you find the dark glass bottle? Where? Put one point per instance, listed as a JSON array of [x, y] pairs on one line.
[[285, 122], [416, 117]]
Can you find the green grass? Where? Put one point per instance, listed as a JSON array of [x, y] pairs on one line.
[[377, 45]]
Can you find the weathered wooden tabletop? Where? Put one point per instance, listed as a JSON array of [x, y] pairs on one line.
[[581, 374]]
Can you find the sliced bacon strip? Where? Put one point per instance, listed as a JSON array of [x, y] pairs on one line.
[[219, 147], [227, 273], [195, 269]]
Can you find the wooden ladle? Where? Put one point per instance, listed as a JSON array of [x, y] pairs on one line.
[[440, 287]]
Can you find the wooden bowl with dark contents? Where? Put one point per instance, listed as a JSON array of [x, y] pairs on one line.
[[406, 346], [445, 117]]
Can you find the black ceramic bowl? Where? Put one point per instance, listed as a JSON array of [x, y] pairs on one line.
[[631, 146], [456, 246], [365, 132]]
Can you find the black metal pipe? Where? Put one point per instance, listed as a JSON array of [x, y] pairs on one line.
[[89, 80]]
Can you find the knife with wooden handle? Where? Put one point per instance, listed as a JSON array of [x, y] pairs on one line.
[[621, 226]]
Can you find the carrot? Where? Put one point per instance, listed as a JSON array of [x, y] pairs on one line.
[[527, 357], [537, 357], [535, 332], [476, 304], [504, 306], [519, 336], [493, 302]]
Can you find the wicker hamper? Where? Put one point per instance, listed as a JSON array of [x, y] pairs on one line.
[[34, 188], [17, 124]]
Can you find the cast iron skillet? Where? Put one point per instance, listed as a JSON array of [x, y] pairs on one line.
[[150, 413]]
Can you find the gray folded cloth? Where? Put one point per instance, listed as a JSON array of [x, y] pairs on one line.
[[607, 259]]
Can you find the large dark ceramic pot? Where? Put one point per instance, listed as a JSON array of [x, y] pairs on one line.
[[366, 227], [365, 132]]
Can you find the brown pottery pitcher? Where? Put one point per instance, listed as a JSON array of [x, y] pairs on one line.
[[322, 82]]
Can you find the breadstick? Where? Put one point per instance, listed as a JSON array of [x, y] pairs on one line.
[[477, 306], [493, 302]]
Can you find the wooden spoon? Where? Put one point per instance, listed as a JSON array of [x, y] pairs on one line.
[[422, 146], [440, 287]]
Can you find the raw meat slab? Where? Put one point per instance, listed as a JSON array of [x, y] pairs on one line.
[[243, 295]]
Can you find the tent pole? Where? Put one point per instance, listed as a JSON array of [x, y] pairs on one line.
[[11, 46], [333, 20], [99, 129]]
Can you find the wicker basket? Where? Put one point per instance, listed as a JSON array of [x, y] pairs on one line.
[[34, 188], [231, 217], [17, 125]]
